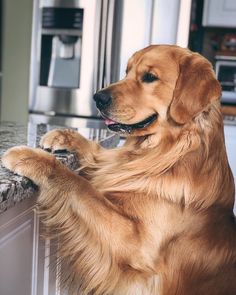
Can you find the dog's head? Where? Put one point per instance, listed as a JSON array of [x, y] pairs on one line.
[[163, 84]]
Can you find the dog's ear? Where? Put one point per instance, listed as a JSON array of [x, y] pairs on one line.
[[196, 88]]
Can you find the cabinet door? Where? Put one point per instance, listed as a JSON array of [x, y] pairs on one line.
[[219, 13], [230, 142], [17, 268], [48, 268]]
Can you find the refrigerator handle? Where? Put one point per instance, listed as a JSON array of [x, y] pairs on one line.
[[109, 42], [97, 36], [102, 45]]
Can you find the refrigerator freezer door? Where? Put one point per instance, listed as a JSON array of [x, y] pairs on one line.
[[71, 83]]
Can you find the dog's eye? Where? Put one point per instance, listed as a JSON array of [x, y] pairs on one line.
[[149, 78]]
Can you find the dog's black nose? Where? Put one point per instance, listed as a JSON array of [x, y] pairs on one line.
[[103, 99]]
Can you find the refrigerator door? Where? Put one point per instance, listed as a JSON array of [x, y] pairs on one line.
[[61, 93], [136, 29], [108, 63]]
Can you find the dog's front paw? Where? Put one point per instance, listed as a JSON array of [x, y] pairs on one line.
[[59, 140], [35, 164]]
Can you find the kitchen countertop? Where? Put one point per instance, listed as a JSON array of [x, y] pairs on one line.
[[15, 188]]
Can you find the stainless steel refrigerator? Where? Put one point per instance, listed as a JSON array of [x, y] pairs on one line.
[[78, 47]]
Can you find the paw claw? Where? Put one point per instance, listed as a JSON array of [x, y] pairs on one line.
[[61, 151], [47, 150]]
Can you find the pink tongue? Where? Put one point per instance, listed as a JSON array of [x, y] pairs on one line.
[[109, 122]]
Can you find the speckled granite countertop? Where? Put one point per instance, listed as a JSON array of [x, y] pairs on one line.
[[14, 188]]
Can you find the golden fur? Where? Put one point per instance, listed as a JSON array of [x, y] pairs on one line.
[[154, 217]]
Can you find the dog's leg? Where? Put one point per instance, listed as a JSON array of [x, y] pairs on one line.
[[95, 238], [72, 141]]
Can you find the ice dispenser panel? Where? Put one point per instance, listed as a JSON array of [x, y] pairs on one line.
[[61, 47]]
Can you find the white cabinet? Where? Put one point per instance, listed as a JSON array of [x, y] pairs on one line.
[[27, 266], [230, 142], [17, 242], [48, 269], [219, 13]]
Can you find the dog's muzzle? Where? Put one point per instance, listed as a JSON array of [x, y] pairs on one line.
[[103, 99]]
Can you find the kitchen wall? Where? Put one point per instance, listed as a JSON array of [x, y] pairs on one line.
[[16, 41]]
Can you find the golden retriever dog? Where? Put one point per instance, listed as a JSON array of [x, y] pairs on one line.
[[155, 216]]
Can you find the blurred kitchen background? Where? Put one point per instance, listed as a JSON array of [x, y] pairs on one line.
[[56, 53]]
